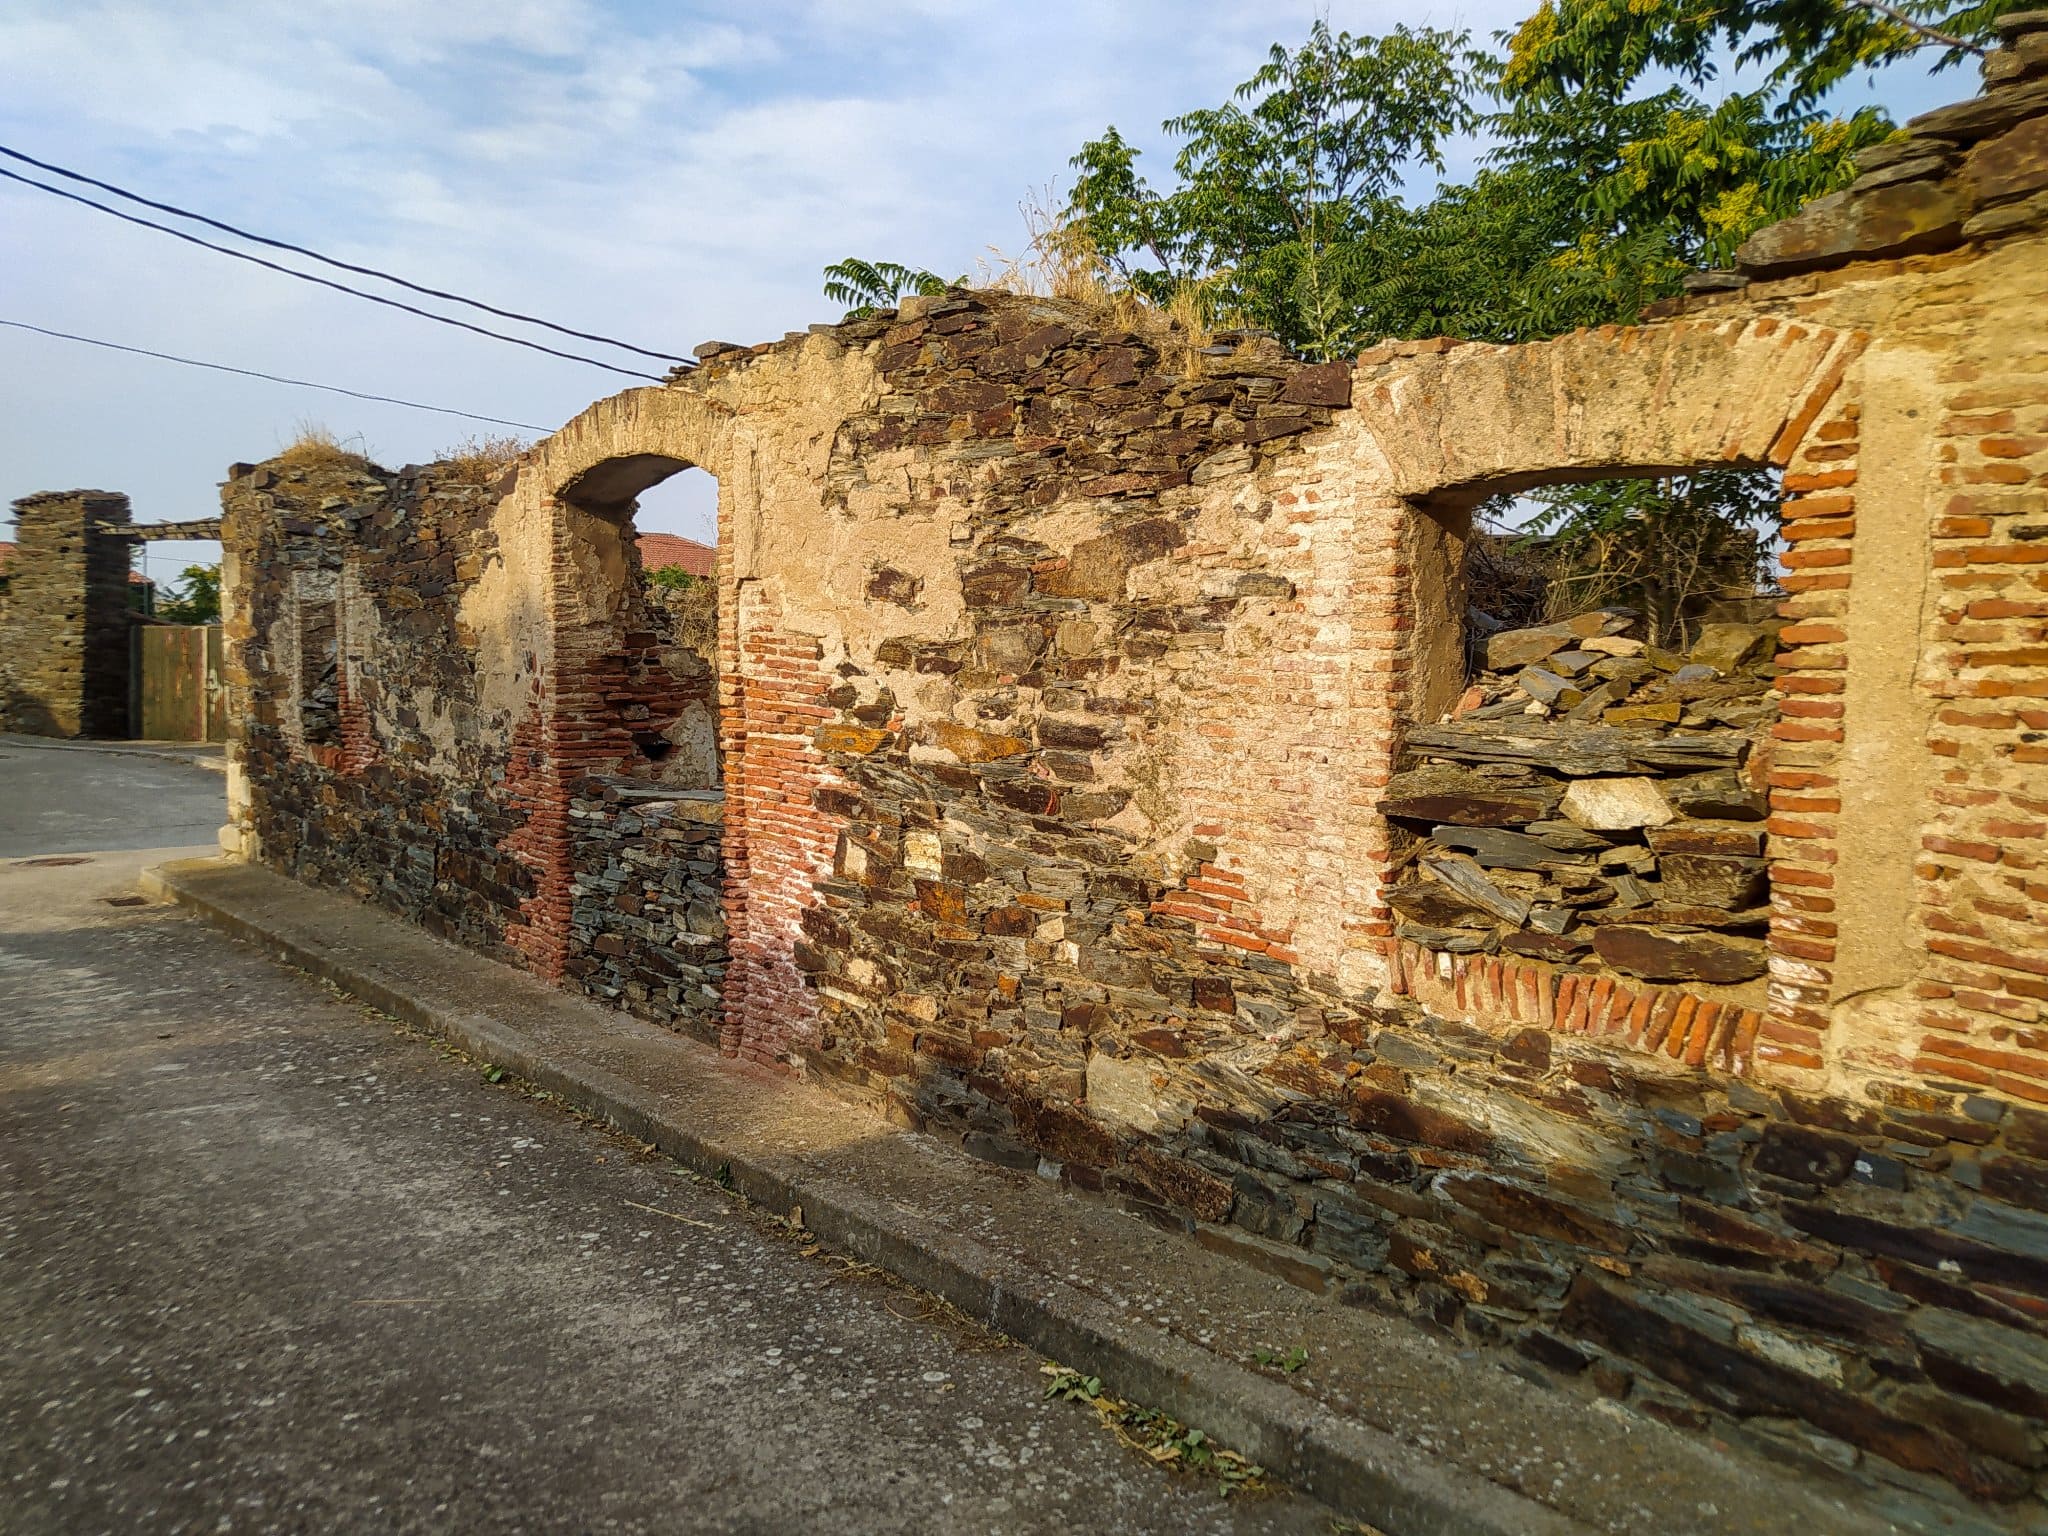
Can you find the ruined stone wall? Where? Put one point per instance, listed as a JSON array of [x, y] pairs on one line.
[[382, 753], [363, 757], [64, 618], [1062, 673], [1103, 783]]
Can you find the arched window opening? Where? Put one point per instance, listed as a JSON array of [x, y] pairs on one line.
[[676, 523], [637, 677], [642, 531]]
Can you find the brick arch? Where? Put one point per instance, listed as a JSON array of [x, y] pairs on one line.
[[607, 676], [1458, 423], [626, 442], [770, 688], [603, 691], [1470, 420]]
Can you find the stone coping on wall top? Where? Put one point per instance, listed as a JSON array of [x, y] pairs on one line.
[[1686, 1028]]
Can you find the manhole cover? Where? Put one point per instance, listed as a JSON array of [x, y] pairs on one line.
[[75, 858]]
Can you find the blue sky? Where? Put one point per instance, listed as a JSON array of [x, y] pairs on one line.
[[668, 173]]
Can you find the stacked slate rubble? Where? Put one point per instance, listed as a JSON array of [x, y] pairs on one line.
[[1594, 800], [647, 916]]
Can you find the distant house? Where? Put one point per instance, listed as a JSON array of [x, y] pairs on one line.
[[658, 551]]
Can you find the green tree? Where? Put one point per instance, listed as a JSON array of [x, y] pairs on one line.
[[1278, 188], [1662, 545], [197, 601], [673, 578]]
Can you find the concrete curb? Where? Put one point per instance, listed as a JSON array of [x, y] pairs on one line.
[[1350, 1466]]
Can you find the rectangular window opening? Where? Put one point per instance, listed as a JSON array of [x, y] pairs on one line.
[[320, 672]]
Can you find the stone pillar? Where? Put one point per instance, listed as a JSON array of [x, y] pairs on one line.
[[64, 620]]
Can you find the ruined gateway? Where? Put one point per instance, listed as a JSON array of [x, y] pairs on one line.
[[1037, 790]]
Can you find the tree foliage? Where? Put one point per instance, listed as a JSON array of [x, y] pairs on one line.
[[1277, 188], [1594, 200], [866, 286], [196, 601], [1804, 48], [673, 578], [1663, 546]]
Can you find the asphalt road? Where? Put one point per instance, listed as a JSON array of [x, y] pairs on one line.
[[269, 1262], [59, 798]]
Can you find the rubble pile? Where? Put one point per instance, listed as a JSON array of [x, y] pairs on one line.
[[1595, 800]]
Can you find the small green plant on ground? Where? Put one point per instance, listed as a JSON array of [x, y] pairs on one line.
[[1289, 1360], [1162, 1438]]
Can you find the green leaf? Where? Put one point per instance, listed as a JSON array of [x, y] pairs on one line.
[[866, 286]]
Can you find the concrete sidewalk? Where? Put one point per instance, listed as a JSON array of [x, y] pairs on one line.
[[1385, 1422]]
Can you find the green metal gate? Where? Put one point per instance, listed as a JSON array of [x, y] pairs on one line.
[[177, 683]]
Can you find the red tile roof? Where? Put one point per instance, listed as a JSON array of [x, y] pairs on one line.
[[660, 550]]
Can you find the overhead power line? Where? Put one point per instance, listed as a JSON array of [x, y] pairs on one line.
[[251, 373], [307, 277], [300, 250]]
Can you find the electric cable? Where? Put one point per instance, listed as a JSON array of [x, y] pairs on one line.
[[274, 378], [300, 250], [307, 277]]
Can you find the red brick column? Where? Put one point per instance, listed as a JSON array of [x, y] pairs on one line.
[[1382, 605], [541, 845], [1983, 868], [357, 747], [779, 843], [1291, 746], [1819, 523]]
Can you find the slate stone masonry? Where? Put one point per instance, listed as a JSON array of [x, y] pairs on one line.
[[64, 618], [648, 924], [405, 801]]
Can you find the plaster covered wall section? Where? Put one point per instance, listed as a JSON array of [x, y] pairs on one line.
[[1982, 672]]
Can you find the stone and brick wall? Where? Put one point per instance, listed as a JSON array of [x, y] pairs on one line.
[[1062, 671], [380, 752], [64, 617], [362, 758]]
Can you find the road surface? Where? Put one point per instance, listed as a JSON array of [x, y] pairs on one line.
[[269, 1262]]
